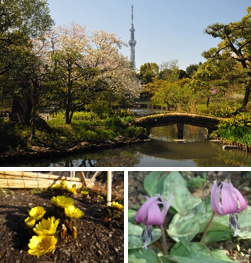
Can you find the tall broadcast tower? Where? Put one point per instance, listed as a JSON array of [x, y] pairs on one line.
[[132, 44]]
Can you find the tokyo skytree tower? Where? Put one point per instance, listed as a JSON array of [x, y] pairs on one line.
[[132, 44]]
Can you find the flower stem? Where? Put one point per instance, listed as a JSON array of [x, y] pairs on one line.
[[207, 228], [164, 244]]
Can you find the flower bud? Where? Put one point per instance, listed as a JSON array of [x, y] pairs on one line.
[[63, 231], [74, 232]]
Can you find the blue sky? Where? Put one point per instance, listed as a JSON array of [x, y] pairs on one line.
[[164, 29]]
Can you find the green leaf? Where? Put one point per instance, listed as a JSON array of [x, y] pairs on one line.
[[135, 236], [244, 220], [178, 259], [151, 181], [142, 256], [165, 184], [131, 215], [196, 250], [183, 227], [196, 253], [214, 236], [195, 221], [219, 254]]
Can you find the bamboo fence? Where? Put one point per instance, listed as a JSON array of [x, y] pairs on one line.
[[16, 179]]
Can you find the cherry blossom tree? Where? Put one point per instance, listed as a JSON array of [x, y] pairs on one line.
[[86, 64]]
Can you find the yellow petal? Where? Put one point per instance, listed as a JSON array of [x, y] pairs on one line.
[[46, 226], [37, 212], [40, 245], [62, 201], [73, 212], [30, 222]]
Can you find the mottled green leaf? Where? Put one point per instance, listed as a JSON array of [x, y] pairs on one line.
[[165, 184], [142, 256], [197, 253], [178, 259], [151, 181], [196, 250], [135, 236], [195, 221]]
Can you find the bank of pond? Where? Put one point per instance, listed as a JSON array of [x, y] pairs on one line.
[[162, 150], [156, 147]]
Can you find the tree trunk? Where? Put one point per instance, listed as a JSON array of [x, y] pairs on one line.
[[208, 100], [67, 116], [21, 110], [68, 99], [246, 97]]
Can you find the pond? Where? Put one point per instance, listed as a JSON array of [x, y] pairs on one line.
[[164, 150]]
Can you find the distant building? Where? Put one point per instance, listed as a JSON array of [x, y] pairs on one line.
[[132, 43]]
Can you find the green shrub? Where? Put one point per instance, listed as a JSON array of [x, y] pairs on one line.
[[114, 123], [86, 116], [236, 129]]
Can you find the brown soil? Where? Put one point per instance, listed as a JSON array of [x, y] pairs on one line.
[[97, 241], [240, 180]]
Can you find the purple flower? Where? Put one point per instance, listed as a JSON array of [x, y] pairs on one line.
[[214, 91], [225, 199], [152, 212]]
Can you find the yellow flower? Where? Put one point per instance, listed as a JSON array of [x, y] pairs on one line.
[[47, 227], [30, 222], [64, 186], [62, 201], [37, 212], [72, 189], [57, 186], [117, 206], [40, 245], [73, 212]]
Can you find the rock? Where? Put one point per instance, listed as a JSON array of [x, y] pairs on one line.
[[226, 147]]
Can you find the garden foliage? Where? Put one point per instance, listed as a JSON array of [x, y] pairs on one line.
[[190, 218]]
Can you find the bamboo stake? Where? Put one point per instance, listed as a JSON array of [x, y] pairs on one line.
[[109, 188], [94, 176], [82, 175]]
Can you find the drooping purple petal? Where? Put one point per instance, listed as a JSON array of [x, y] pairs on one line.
[[216, 199], [240, 200], [154, 215], [166, 207], [143, 211], [226, 199], [229, 203]]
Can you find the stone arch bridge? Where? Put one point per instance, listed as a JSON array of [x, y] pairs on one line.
[[165, 119]]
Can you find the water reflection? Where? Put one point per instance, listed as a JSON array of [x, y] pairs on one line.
[[165, 150], [175, 132]]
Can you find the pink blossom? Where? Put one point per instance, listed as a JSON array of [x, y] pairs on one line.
[[226, 199], [152, 212]]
